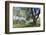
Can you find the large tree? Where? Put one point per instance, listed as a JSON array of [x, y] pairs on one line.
[[35, 14]]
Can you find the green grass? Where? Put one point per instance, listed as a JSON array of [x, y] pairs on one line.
[[21, 24], [18, 24]]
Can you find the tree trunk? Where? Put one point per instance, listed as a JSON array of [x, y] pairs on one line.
[[34, 20]]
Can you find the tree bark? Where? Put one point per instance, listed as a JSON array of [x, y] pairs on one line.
[[34, 20]]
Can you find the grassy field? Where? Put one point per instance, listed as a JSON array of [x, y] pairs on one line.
[[21, 24]]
